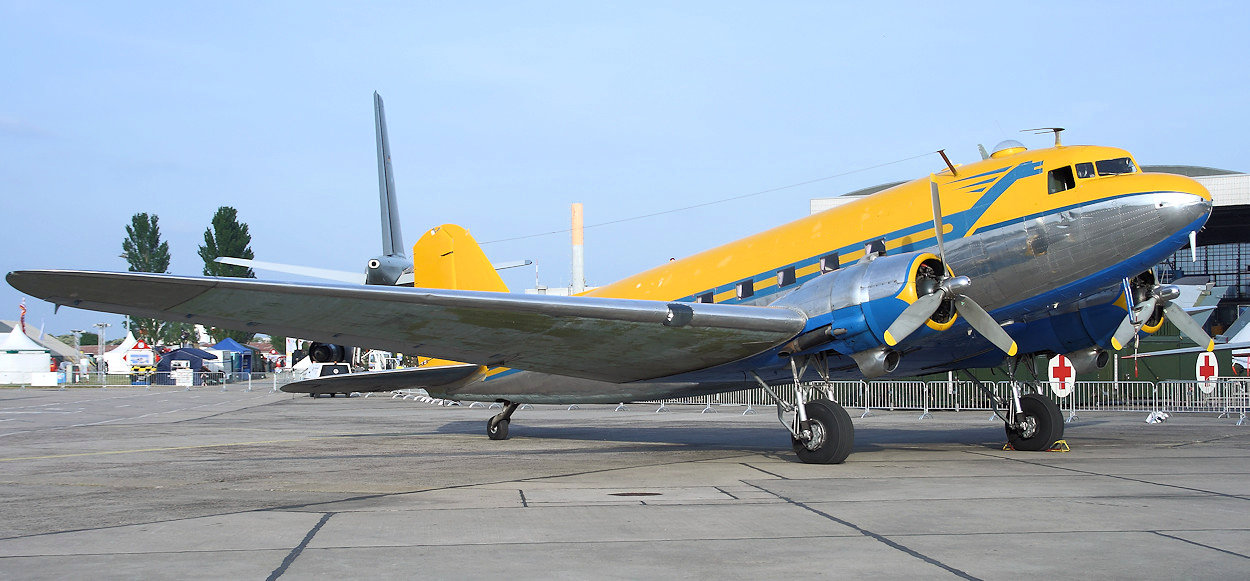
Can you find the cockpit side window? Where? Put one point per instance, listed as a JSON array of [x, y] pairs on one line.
[[1119, 165], [1060, 179], [1085, 169]]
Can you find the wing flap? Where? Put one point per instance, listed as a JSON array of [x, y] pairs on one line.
[[605, 339]]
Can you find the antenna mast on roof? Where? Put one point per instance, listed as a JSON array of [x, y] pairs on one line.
[[1041, 130]]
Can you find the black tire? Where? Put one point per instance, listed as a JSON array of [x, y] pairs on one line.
[[1046, 421], [834, 434], [497, 430]]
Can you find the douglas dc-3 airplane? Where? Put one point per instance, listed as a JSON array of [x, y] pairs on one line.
[[1024, 252]]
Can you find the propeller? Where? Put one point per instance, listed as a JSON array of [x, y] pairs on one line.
[[950, 288], [1161, 295]]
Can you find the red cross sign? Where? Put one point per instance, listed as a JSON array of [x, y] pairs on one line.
[[1062, 375], [1206, 370]]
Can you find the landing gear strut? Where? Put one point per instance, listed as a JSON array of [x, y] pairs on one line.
[[821, 431], [497, 427], [1033, 422]]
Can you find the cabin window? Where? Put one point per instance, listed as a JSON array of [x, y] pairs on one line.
[[1060, 179], [829, 263], [1117, 166], [746, 288], [1085, 169], [785, 276], [704, 298]]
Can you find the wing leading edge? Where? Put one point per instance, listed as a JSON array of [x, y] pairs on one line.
[[617, 340]]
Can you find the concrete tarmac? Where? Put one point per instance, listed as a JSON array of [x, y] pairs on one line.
[[131, 483]]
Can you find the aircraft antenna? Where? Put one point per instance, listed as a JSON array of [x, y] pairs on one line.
[[1044, 130], [942, 152]]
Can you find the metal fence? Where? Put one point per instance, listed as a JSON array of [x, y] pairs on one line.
[[188, 380], [1223, 396]]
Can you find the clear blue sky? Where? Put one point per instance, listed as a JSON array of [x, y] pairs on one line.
[[502, 114]]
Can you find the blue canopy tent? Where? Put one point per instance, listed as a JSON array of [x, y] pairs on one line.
[[195, 362], [243, 361]]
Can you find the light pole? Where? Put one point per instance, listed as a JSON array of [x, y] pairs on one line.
[[99, 360], [77, 352]]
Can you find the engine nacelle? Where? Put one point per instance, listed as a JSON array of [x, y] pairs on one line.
[[861, 301], [385, 270], [328, 352]]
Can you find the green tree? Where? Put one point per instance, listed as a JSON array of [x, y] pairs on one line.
[[144, 251], [227, 237]]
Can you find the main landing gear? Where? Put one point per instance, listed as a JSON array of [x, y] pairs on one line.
[[821, 431], [1033, 421], [497, 426]]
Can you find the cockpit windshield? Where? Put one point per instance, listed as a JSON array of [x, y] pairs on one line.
[[1119, 165]]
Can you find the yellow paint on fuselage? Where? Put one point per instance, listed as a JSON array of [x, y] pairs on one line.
[[876, 216]]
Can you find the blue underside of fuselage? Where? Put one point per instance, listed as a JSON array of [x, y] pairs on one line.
[[929, 351]]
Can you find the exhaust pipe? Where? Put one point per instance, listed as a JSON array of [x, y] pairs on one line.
[[876, 362], [1088, 360]]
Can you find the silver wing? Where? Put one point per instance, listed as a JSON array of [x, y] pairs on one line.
[[1218, 347], [616, 340]]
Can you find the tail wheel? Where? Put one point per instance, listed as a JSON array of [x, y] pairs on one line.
[[832, 434], [1040, 424], [497, 429]]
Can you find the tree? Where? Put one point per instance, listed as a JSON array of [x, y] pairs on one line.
[[227, 237], [144, 251]]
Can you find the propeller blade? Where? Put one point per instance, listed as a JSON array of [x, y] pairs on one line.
[[913, 317], [1130, 325], [1124, 333], [1187, 325], [985, 324], [937, 217]]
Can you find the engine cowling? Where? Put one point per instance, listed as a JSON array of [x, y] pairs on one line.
[[861, 301], [328, 352]]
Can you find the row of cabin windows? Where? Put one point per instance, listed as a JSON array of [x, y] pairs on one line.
[[785, 277], [1063, 178]]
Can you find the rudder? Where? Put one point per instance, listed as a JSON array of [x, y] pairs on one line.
[[448, 257]]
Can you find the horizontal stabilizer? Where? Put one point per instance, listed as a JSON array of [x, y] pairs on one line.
[[309, 271], [389, 380]]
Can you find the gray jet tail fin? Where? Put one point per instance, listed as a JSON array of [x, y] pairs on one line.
[[392, 235]]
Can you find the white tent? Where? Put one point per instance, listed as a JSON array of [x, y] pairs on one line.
[[20, 356], [115, 358]]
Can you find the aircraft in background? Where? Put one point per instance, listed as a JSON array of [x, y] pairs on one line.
[[392, 267], [1236, 339], [1044, 251]]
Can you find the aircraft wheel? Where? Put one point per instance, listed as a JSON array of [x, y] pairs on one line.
[[1042, 424], [497, 429], [833, 434]]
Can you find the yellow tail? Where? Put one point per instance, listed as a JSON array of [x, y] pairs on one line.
[[448, 257]]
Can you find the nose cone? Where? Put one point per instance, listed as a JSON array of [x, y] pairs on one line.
[[1184, 203]]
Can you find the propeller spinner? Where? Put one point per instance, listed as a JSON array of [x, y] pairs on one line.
[[948, 292], [1161, 297]]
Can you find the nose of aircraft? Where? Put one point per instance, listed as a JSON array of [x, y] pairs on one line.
[[1183, 202]]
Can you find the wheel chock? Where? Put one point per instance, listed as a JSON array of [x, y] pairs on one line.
[[1058, 446]]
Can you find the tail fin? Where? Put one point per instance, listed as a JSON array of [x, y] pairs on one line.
[[448, 257], [392, 236]]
